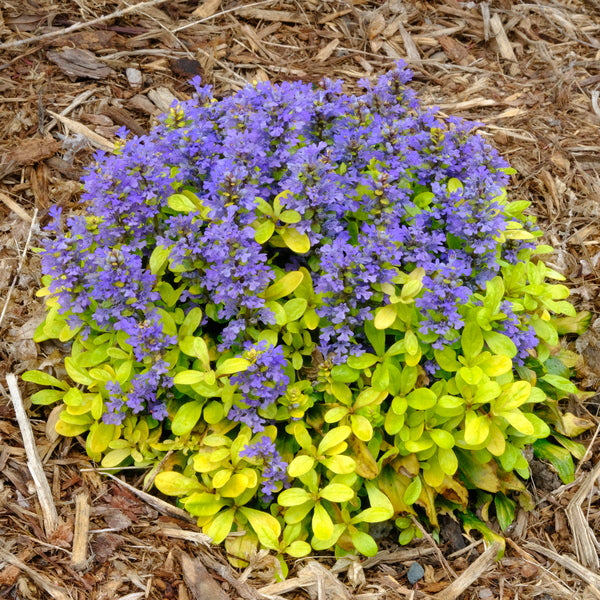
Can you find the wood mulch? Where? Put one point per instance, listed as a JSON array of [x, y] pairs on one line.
[[73, 71]]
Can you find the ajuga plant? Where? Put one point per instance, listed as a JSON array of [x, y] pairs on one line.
[[311, 312]]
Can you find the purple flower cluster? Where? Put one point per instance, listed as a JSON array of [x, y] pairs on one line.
[[142, 394], [275, 467], [261, 384], [523, 336]]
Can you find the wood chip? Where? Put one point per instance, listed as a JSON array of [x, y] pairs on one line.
[[34, 463], [123, 117], [455, 51], [326, 52], [75, 62], [143, 104], [412, 52], [163, 98], [284, 16], [199, 581], [504, 46]]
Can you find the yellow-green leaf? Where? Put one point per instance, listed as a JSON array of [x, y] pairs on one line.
[[337, 492], [172, 483], [284, 286], [333, 437], [300, 465], [385, 316], [218, 529], [265, 526], [297, 242], [186, 417], [322, 525], [233, 365]]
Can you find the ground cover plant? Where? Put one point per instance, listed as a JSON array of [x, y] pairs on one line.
[[312, 312]]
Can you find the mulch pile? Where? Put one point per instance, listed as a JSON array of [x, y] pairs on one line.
[[72, 72]]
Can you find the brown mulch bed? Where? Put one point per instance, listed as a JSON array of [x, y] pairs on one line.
[[72, 72]]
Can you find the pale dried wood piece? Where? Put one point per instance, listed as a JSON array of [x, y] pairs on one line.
[[207, 9], [199, 581], [471, 574], [41, 580], [214, 16], [162, 97], [412, 51], [485, 14], [261, 14], [184, 534], [327, 51], [143, 104], [314, 577], [160, 505], [77, 26], [95, 139], [334, 16], [10, 203], [34, 463], [585, 540], [79, 557], [591, 578], [468, 104], [122, 117], [134, 77], [387, 556], [504, 45]]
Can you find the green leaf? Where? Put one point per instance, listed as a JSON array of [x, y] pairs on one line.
[[42, 378], [332, 438], [560, 383], [266, 527], [293, 497], [518, 420], [442, 438], [186, 417], [158, 259], [284, 286], [337, 492], [45, 397], [181, 203], [422, 399], [340, 464], [298, 549], [295, 308], [115, 457], [361, 427], [300, 465], [188, 378], [498, 343], [471, 339], [297, 242], [264, 232], [363, 361], [385, 316], [505, 510], [77, 374], [172, 483], [560, 458], [322, 525], [232, 365], [477, 428], [191, 322], [447, 461], [364, 543], [335, 414], [344, 374], [413, 491], [101, 434], [290, 216], [219, 528]]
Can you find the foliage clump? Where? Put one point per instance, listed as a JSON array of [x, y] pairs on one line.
[[322, 306]]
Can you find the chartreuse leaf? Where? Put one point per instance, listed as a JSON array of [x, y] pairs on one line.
[[300, 465], [232, 365], [413, 491], [363, 542], [322, 525], [42, 378], [266, 527], [220, 526], [284, 286], [172, 483], [337, 492], [45, 397], [505, 510], [332, 438], [186, 417], [293, 497], [294, 240]]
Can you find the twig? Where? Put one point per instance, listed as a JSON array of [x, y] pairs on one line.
[[76, 102], [34, 463], [449, 570], [77, 26], [470, 575], [55, 591], [21, 261], [10, 203]]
